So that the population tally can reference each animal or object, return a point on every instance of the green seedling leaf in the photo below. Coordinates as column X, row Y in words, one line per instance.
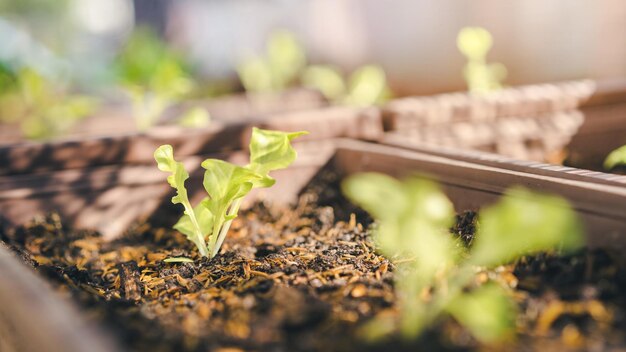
column 475, row 43
column 412, row 216
column 226, row 185
column 42, row 109
column 524, row 222
column 204, row 218
column 413, row 219
column 367, row 86
column 178, row 260
column 286, row 58
column 487, row 312
column 615, row 158
column 194, row 118
column 271, row 150
column 154, row 75
column 255, row 75
column 326, row 79
column 164, row 156
column 282, row 62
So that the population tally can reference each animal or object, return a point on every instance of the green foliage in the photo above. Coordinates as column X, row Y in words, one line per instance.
column 155, row 76
column 195, row 117
column 475, row 43
column 283, row 61
column 486, row 311
column 42, row 110
column 615, row 158
column 207, row 224
column 532, row 222
column 365, row 87
column 414, row 218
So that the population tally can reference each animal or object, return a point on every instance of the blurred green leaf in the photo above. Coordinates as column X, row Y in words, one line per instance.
column 414, row 216
column 413, row 220
column 367, row 86
column 154, row 75
column 42, row 109
column 525, row 222
column 326, row 79
column 286, row 58
column 195, row 117
column 475, row 43
column 486, row 311
column 277, row 68
column 615, row 158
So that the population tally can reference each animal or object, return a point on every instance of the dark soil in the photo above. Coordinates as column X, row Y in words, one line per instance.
column 303, row 279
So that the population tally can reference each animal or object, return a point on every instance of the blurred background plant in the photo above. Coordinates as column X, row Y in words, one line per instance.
column 481, row 77
column 41, row 108
column 156, row 77
column 366, row 86
column 436, row 273
column 616, row 158
column 344, row 48
column 275, row 70
column 284, row 65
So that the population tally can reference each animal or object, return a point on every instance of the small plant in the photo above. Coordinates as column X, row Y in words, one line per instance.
column 155, row 78
column 41, row 109
column 284, row 64
column 207, row 224
column 481, row 77
column 615, row 158
column 283, row 61
column 433, row 277
column 366, row 86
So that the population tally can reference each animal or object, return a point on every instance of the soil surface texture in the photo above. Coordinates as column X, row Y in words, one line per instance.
column 303, row 278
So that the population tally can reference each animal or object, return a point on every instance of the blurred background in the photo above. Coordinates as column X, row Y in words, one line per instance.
column 163, row 48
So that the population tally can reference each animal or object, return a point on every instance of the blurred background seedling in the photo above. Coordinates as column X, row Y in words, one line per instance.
column 615, row 158
column 366, row 86
column 433, row 277
column 284, row 64
column 42, row 109
column 277, row 69
column 156, row 77
column 481, row 77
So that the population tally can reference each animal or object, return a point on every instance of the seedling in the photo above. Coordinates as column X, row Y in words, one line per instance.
column 413, row 218
column 365, row 87
column 284, row 63
column 155, row 77
column 274, row 71
column 41, row 109
column 207, row 224
column 481, row 77
column 615, row 158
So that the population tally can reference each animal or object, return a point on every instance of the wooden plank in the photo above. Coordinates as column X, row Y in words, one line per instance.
column 137, row 148
column 602, row 206
column 34, row 318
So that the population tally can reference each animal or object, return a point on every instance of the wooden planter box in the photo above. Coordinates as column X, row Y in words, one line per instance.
column 117, row 119
column 581, row 121
column 127, row 192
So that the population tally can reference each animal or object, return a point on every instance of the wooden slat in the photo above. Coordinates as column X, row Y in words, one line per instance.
column 34, row 318
column 137, row 148
column 602, row 206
